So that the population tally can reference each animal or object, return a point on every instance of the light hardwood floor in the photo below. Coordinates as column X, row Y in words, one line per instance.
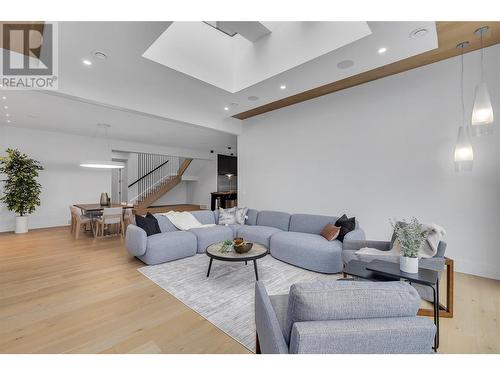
column 61, row 295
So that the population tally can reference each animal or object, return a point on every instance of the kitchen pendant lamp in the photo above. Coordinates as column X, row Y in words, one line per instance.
column 482, row 112
column 464, row 155
column 105, row 163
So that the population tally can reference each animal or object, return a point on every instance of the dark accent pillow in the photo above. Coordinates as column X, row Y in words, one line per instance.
column 150, row 226
column 346, row 225
column 149, row 215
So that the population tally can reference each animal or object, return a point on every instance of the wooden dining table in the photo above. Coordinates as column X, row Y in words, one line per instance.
column 93, row 210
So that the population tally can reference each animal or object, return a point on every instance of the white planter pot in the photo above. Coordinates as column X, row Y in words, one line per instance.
column 408, row 265
column 21, row 224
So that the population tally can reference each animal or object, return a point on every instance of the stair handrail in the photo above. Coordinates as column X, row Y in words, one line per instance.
column 153, row 186
column 147, row 174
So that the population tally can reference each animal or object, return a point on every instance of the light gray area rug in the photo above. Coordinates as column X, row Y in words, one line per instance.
column 226, row 298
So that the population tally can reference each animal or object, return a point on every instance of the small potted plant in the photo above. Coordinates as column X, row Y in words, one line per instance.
column 21, row 191
column 411, row 236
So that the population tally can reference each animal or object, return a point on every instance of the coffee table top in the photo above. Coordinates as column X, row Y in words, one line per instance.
column 257, row 251
column 379, row 270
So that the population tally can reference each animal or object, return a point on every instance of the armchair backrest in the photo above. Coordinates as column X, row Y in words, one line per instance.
column 346, row 300
column 441, row 249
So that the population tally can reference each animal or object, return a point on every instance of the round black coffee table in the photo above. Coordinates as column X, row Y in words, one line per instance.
column 257, row 251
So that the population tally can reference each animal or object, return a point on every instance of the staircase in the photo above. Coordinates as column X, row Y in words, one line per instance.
column 163, row 174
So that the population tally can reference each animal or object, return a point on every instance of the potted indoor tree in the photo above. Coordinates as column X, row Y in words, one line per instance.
column 21, row 190
column 411, row 236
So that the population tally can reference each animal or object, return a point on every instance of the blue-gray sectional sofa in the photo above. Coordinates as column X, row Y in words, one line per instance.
column 293, row 239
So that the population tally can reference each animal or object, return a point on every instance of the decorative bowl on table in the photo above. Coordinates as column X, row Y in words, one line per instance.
column 243, row 247
column 238, row 241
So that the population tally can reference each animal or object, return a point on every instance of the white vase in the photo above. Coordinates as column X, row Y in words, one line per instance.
column 408, row 265
column 21, row 224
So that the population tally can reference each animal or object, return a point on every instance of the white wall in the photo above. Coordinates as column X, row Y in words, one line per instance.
column 198, row 192
column 178, row 195
column 63, row 181
column 384, row 150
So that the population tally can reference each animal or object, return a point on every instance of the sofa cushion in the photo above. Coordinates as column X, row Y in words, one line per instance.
column 234, row 228
column 332, row 300
column 251, row 217
column 165, row 224
column 165, row 247
column 275, row 219
column 309, row 251
column 257, row 233
column 204, row 216
column 211, row 235
column 313, row 224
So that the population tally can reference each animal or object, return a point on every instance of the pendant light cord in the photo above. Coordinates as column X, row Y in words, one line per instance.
column 482, row 58
column 462, row 84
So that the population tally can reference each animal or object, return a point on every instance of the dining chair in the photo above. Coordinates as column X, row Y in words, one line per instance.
column 77, row 220
column 128, row 218
column 110, row 216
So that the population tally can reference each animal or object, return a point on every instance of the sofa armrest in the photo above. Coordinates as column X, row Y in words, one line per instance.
column 270, row 336
column 370, row 336
column 358, row 244
column 356, row 234
column 136, row 240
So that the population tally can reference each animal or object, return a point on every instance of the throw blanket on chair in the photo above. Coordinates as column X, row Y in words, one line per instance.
column 428, row 250
column 185, row 220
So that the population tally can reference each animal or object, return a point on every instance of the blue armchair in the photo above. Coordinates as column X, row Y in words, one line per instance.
column 342, row 317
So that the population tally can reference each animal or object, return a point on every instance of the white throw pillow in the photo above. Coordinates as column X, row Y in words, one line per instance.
column 241, row 215
column 185, row 220
column 227, row 216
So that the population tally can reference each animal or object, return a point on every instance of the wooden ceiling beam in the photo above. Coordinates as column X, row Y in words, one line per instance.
column 449, row 35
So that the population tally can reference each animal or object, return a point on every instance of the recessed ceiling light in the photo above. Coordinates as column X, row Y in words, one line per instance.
column 226, row 108
column 418, row 33
column 253, row 98
column 4, row 97
column 7, row 115
column 5, row 107
column 382, row 50
column 345, row 64
column 8, row 121
column 282, row 87
column 87, row 62
column 100, row 55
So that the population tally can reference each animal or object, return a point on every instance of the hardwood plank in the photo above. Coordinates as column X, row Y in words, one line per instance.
column 449, row 35
column 61, row 295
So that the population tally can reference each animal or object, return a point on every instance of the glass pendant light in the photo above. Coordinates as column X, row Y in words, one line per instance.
column 464, row 154
column 105, row 163
column 482, row 113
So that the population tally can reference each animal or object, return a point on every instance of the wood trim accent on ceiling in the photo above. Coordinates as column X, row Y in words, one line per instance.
column 449, row 35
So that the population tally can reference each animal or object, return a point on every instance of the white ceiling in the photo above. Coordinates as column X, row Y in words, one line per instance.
column 234, row 63
column 177, row 109
column 44, row 111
